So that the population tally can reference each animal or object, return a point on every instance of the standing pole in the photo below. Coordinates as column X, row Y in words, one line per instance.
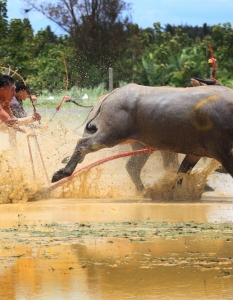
column 211, row 73
column 41, row 157
column 31, row 158
column 110, row 72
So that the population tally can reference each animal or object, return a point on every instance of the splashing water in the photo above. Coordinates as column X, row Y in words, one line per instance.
column 191, row 189
column 112, row 181
column 18, row 183
column 15, row 182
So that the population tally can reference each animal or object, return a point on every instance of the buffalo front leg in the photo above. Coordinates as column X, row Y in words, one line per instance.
column 83, row 147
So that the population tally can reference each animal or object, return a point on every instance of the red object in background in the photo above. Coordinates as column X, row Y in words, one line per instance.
column 33, row 97
column 102, row 96
column 66, row 97
column 213, row 62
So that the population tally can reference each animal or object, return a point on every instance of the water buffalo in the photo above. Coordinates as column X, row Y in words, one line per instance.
column 136, row 163
column 197, row 122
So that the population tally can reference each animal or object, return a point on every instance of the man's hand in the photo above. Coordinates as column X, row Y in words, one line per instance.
column 36, row 117
column 11, row 122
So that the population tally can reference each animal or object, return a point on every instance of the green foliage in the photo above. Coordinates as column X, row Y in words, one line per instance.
column 193, row 32
column 3, row 19
column 171, row 60
column 223, row 42
column 190, row 63
column 99, row 37
column 19, row 45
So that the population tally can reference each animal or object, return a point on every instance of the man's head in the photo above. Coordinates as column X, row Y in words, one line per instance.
column 7, row 88
column 22, row 90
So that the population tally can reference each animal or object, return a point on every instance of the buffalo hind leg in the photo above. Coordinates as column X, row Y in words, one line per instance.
column 226, row 159
column 135, row 164
column 186, row 166
column 170, row 160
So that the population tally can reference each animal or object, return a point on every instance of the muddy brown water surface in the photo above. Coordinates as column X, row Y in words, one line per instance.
column 116, row 249
column 96, row 237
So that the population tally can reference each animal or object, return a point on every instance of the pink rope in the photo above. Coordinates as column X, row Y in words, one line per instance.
column 99, row 162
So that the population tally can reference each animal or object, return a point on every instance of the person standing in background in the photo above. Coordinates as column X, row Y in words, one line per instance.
column 22, row 92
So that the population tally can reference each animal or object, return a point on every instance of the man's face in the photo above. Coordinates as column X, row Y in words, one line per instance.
column 22, row 95
column 7, row 92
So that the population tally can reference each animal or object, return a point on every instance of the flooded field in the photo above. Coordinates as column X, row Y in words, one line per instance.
column 96, row 237
column 118, row 249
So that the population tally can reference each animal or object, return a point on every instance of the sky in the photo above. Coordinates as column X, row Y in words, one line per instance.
column 146, row 12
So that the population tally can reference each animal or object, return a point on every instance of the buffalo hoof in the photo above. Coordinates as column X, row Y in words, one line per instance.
column 208, row 188
column 59, row 175
column 221, row 169
column 65, row 160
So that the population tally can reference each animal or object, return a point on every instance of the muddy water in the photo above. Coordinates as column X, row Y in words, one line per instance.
column 103, row 271
column 116, row 249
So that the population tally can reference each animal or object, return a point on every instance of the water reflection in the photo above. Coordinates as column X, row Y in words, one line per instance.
column 186, row 268
column 115, row 210
column 40, row 258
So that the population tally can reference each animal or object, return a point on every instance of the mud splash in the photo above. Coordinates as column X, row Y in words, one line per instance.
column 15, row 184
column 111, row 181
column 24, row 178
column 191, row 189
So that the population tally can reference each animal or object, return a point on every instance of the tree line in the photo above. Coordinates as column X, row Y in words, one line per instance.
column 100, row 34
